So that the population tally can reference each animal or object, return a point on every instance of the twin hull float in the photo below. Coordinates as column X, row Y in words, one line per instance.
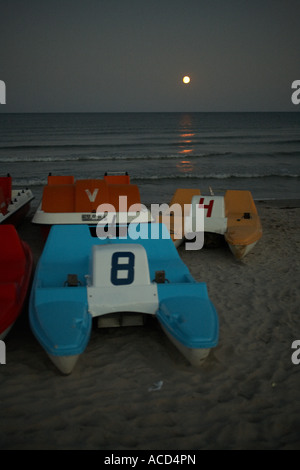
column 233, row 216
column 80, row 276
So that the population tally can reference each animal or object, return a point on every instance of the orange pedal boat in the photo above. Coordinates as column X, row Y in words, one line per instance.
column 110, row 200
column 233, row 215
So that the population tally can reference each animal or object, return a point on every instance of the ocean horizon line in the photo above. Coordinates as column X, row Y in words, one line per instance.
column 149, row 112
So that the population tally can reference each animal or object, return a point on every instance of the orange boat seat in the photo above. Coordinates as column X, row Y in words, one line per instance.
column 243, row 222
column 184, row 196
column 131, row 192
column 238, row 202
column 60, row 179
column 175, row 221
column 117, row 179
column 59, row 198
column 86, row 195
column 89, row 194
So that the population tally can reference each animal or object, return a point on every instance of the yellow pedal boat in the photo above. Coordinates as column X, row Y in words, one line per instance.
column 233, row 215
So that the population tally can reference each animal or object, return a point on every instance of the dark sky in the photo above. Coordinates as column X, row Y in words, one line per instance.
column 131, row 55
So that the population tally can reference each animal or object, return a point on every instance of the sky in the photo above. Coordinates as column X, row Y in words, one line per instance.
column 131, row 55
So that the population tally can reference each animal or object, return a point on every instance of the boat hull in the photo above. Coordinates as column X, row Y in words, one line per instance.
column 61, row 323
column 233, row 216
column 190, row 321
column 240, row 251
column 16, row 263
column 6, row 331
column 116, row 275
column 65, row 364
column 16, row 217
column 18, row 208
column 109, row 201
column 195, row 356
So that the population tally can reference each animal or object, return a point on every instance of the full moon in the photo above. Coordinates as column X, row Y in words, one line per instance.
column 186, row 79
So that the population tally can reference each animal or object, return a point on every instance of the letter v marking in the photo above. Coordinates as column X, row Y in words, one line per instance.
column 92, row 197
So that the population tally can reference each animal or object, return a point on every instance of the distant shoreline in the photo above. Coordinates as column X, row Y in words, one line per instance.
column 292, row 111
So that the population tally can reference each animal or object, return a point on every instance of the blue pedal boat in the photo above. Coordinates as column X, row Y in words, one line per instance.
column 81, row 276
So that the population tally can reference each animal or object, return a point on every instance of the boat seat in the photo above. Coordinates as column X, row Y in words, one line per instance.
column 238, row 203
column 58, row 198
column 117, row 179
column 184, row 196
column 182, row 199
column 60, row 179
column 131, row 192
column 243, row 222
column 89, row 194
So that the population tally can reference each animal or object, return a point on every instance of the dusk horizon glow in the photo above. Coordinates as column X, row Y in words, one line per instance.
column 100, row 56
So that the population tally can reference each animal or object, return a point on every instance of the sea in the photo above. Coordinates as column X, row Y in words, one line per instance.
column 161, row 152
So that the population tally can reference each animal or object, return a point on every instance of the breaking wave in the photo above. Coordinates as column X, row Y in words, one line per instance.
column 21, row 182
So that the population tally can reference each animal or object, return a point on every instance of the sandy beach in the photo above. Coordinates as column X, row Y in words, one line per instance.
column 132, row 389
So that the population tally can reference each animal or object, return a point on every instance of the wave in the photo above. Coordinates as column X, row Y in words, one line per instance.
column 192, row 155
column 138, row 141
column 141, row 142
column 137, row 158
column 23, row 182
column 70, row 158
column 220, row 176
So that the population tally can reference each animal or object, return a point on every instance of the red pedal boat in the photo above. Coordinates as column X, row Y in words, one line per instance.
column 16, row 261
column 14, row 203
